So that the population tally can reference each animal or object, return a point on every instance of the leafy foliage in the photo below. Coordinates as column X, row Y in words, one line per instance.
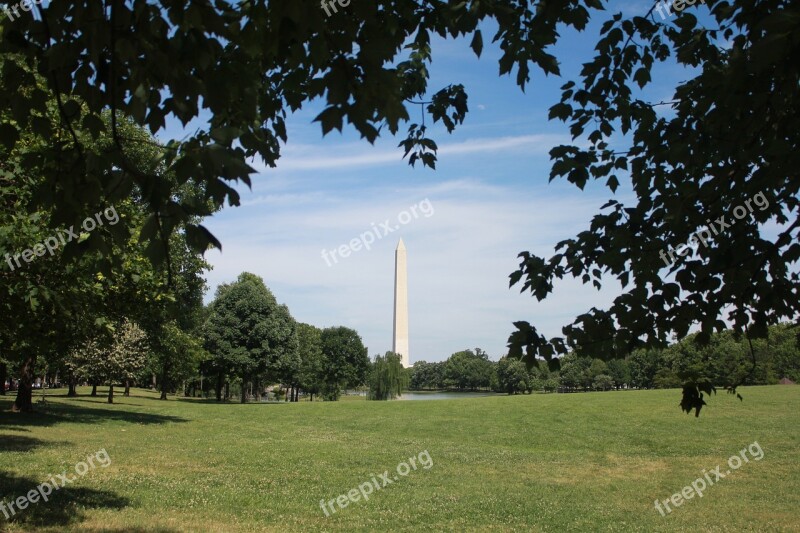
column 312, row 360
column 346, row 361
column 247, row 332
column 730, row 135
column 155, row 61
column 513, row 376
column 426, row 375
column 387, row 377
column 103, row 360
column 468, row 370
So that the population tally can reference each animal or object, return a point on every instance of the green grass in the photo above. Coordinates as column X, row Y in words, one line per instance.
column 568, row 462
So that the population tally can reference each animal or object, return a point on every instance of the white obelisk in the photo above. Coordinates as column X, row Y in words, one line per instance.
column 400, row 344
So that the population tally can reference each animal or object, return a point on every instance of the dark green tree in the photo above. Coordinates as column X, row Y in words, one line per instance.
column 311, row 376
column 513, row 376
column 426, row 375
column 574, row 371
column 644, row 364
column 247, row 332
column 346, row 361
column 469, row 370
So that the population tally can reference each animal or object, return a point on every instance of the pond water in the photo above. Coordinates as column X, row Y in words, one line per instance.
column 418, row 395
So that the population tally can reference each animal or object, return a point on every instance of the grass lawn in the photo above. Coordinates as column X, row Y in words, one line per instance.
column 566, row 462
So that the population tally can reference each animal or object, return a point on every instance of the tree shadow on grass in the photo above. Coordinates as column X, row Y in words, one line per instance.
column 65, row 506
column 57, row 413
column 19, row 443
column 101, row 400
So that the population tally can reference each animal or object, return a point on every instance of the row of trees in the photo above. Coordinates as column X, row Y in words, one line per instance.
column 245, row 340
column 725, row 360
column 464, row 370
column 253, row 340
column 122, row 304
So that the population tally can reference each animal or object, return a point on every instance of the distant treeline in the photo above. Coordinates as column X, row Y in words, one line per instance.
column 725, row 360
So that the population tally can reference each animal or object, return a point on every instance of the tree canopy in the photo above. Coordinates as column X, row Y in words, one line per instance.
column 248, row 333
column 714, row 167
column 160, row 61
column 346, row 360
column 387, row 377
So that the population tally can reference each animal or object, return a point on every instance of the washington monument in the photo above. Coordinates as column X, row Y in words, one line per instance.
column 400, row 342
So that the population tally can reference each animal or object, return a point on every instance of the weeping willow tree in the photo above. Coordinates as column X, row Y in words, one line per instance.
column 387, row 378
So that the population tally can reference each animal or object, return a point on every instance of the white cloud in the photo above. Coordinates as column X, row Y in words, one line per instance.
column 336, row 156
column 459, row 259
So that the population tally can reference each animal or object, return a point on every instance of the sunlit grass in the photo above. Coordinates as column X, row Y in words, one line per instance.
column 574, row 462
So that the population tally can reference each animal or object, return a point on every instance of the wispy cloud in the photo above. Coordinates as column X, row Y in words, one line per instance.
column 357, row 155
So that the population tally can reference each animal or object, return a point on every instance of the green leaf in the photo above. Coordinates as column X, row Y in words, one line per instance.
column 477, row 43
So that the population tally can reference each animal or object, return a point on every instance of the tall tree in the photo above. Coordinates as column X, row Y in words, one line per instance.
column 311, row 375
column 247, row 332
column 346, row 361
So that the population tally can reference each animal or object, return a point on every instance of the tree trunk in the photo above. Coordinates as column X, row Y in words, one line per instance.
column 94, row 389
column 219, row 387
column 71, row 383
column 127, row 388
column 227, row 390
column 3, row 375
column 24, row 401
column 164, row 374
column 111, row 393
column 244, row 389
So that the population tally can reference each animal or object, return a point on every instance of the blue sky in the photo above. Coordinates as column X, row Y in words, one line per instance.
column 490, row 200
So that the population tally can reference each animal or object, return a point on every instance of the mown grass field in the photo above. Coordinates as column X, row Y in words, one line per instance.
column 577, row 462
